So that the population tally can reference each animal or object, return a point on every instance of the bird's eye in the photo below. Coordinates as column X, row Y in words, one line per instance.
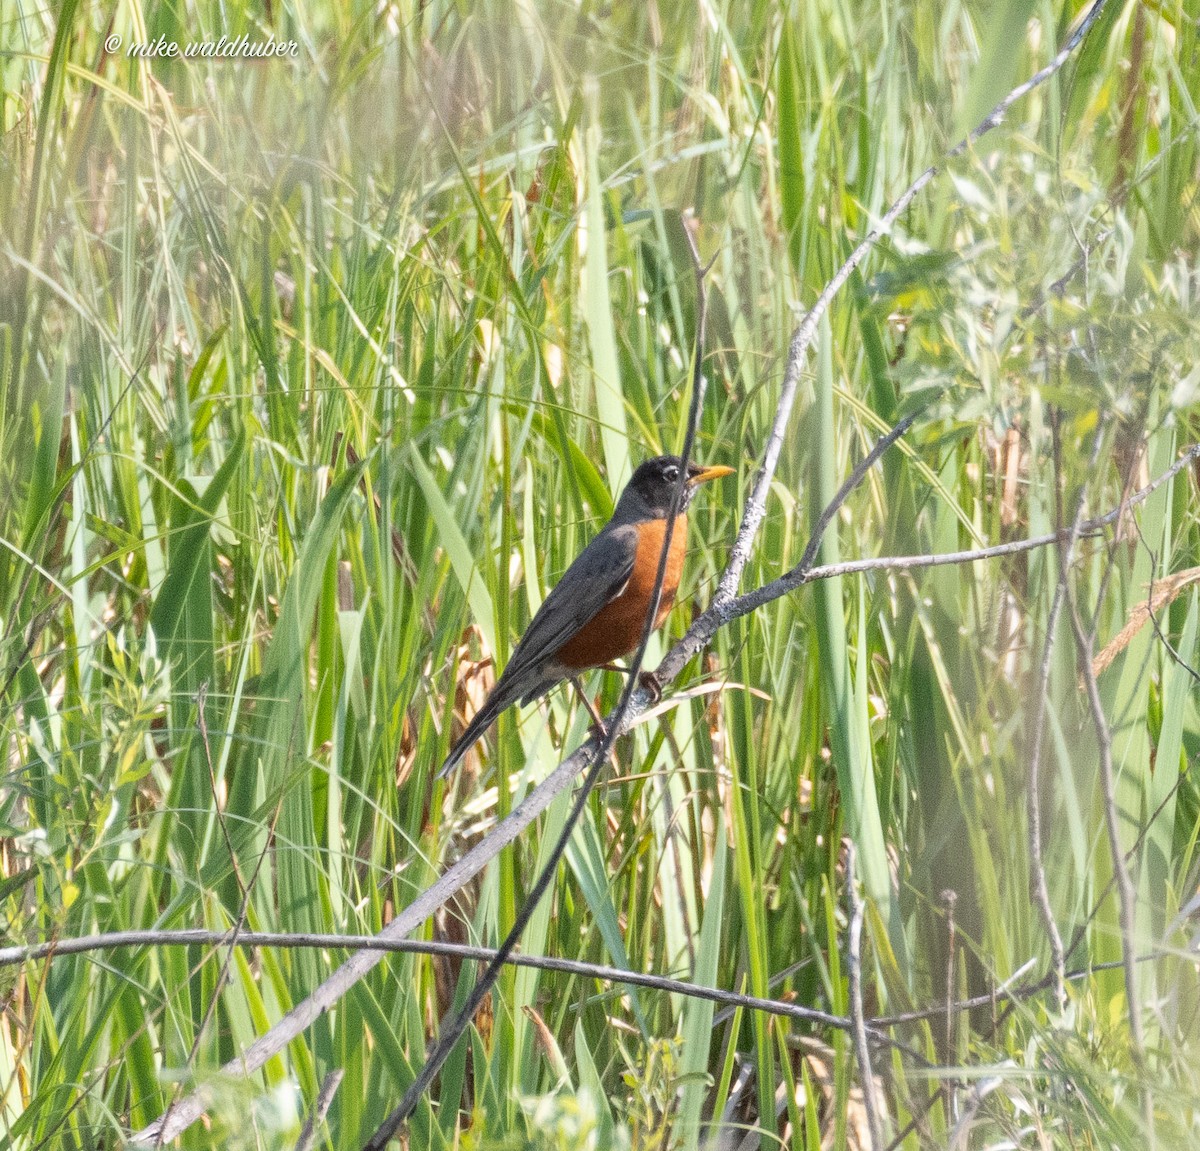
column 670, row 473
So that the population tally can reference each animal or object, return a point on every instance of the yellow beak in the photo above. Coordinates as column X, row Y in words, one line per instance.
column 713, row 473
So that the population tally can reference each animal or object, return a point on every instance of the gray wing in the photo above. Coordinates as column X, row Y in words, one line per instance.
column 598, row 575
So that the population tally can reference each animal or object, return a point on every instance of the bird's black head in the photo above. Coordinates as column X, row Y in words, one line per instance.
column 651, row 488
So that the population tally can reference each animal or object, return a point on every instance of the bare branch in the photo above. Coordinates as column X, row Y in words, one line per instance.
column 329, row 1086
column 202, row 937
column 858, row 1030
column 798, row 577
column 876, row 1025
column 1040, row 891
column 1126, row 899
column 806, row 332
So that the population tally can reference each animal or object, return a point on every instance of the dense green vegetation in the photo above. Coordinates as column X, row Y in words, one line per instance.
column 452, row 238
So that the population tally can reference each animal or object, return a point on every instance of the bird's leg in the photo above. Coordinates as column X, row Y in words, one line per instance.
column 597, row 722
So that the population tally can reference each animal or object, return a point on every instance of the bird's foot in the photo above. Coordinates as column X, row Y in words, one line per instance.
column 648, row 682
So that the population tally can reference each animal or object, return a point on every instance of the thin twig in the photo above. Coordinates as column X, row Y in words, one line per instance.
column 1165, row 597
column 858, row 1030
column 950, row 901
column 293, row 941
column 192, row 937
column 798, row 577
column 1040, row 889
column 312, row 1124
column 1126, row 899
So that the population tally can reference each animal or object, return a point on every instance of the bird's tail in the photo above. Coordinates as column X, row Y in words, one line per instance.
column 480, row 721
column 504, row 694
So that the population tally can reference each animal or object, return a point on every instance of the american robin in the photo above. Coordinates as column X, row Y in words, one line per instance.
column 597, row 611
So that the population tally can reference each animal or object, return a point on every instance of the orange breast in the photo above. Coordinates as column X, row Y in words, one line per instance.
column 617, row 628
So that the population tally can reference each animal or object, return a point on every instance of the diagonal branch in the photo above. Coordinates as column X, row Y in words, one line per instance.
column 806, row 332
